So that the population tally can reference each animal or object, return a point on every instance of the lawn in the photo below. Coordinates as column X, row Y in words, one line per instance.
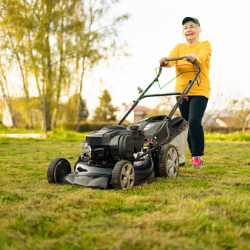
column 205, row 208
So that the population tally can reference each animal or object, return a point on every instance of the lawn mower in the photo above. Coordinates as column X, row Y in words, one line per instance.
column 121, row 157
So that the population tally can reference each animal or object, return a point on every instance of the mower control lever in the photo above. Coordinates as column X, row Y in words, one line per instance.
column 140, row 90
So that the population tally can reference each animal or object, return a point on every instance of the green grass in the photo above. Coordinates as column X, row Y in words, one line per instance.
column 238, row 136
column 66, row 135
column 205, row 208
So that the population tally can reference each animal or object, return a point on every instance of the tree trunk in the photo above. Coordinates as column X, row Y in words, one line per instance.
column 25, row 86
column 34, row 61
column 49, row 87
column 49, row 84
column 6, row 97
column 59, row 84
column 78, row 114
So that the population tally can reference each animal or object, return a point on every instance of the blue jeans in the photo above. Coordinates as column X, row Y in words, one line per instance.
column 193, row 111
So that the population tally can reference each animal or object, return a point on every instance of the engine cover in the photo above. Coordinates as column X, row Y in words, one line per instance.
column 120, row 143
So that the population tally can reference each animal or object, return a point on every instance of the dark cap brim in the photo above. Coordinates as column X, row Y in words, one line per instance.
column 195, row 20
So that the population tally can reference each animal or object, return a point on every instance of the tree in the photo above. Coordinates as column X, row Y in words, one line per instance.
column 52, row 43
column 98, row 40
column 240, row 112
column 6, row 94
column 105, row 111
column 80, row 32
column 218, row 106
column 72, row 111
column 164, row 106
column 13, row 43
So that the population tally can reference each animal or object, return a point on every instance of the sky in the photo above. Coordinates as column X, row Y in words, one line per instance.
column 152, row 31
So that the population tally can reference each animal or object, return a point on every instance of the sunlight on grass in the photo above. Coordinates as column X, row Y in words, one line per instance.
column 204, row 208
column 227, row 137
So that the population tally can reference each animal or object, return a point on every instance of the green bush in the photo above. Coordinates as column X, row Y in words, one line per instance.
column 86, row 126
column 230, row 129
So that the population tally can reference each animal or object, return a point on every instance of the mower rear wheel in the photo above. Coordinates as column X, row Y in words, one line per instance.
column 123, row 175
column 58, row 168
column 168, row 161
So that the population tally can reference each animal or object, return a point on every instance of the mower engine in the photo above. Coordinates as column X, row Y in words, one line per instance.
column 113, row 143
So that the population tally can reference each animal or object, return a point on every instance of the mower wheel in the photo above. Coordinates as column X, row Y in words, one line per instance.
column 123, row 175
column 168, row 161
column 58, row 168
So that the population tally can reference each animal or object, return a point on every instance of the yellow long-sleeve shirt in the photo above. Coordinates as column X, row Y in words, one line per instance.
column 203, row 52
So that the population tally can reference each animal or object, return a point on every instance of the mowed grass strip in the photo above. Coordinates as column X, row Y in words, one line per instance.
column 205, row 208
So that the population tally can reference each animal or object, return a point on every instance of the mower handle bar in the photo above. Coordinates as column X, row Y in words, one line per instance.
column 176, row 59
column 181, row 58
column 155, row 80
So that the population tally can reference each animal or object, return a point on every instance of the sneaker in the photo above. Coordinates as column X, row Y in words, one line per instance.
column 196, row 161
column 192, row 159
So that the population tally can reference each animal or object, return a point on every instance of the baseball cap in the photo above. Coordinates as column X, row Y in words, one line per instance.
column 195, row 20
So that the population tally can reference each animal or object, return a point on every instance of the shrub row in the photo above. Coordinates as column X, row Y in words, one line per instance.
column 231, row 129
column 86, row 126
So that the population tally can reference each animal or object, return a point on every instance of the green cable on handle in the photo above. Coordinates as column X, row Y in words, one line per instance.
column 166, row 83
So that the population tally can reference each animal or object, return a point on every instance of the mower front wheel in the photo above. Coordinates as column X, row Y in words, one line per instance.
column 168, row 161
column 58, row 168
column 123, row 175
